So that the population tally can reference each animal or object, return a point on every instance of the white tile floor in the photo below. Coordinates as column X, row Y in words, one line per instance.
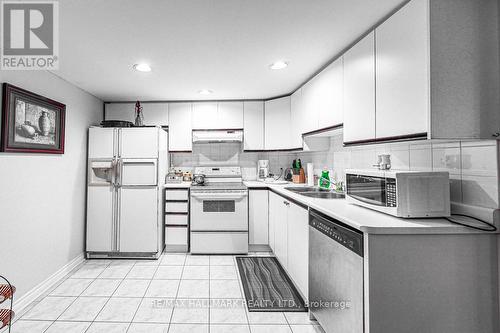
column 175, row 294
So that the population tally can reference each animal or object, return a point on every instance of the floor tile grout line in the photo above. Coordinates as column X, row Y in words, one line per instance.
column 66, row 309
column 176, row 296
column 142, row 299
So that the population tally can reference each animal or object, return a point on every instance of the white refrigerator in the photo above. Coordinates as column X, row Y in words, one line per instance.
column 126, row 173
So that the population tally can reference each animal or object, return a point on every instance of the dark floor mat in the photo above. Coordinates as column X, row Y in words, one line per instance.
column 267, row 287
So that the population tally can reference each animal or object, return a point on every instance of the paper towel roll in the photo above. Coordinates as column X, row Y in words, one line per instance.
column 310, row 174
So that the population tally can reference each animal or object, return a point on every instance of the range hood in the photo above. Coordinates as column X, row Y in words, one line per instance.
column 212, row 136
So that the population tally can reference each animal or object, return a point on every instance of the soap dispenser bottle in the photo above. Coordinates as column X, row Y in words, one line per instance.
column 324, row 180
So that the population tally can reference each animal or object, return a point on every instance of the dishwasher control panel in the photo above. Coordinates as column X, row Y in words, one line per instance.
column 351, row 239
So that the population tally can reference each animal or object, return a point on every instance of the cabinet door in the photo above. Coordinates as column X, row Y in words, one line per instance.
column 253, row 125
column 275, row 204
column 230, row 115
column 359, row 91
column 258, row 217
column 402, row 72
column 138, row 219
column 119, row 111
column 179, row 130
column 296, row 111
column 281, row 230
column 277, row 123
column 100, row 214
column 330, row 95
column 310, row 105
column 205, row 115
column 102, row 142
column 138, row 142
column 298, row 251
column 155, row 114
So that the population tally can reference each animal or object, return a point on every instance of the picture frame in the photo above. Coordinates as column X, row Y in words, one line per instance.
column 31, row 123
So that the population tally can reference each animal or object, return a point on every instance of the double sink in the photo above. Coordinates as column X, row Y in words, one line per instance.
column 316, row 192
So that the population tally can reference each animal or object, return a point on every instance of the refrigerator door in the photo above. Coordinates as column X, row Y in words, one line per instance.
column 138, row 142
column 138, row 219
column 102, row 143
column 100, row 217
column 140, row 172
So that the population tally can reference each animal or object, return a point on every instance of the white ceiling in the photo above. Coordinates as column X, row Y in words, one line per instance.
column 222, row 45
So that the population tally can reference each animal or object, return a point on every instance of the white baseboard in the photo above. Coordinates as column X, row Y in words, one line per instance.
column 21, row 303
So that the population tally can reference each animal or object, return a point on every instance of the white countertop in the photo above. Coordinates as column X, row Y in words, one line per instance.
column 367, row 220
column 177, row 185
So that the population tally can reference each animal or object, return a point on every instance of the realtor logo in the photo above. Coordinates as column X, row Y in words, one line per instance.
column 30, row 35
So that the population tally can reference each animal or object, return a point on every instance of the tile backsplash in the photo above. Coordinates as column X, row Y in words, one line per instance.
column 473, row 165
column 221, row 154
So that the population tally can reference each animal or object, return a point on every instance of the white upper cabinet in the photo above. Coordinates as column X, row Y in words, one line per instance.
column 310, row 105
column 205, row 115
column 253, row 125
column 330, row 87
column 297, row 118
column 217, row 115
column 230, row 115
column 359, row 91
column 119, row 111
column 179, row 130
column 277, row 123
column 402, row 64
column 155, row 114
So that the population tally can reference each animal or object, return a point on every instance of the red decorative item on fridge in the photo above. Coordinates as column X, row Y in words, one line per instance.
column 139, row 117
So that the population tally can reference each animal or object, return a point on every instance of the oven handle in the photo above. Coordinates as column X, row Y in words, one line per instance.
column 228, row 195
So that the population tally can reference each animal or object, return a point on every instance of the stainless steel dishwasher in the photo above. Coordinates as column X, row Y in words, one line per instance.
column 335, row 274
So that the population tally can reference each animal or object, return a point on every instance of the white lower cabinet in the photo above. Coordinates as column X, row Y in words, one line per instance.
column 298, row 247
column 289, row 239
column 258, row 219
column 176, row 219
column 176, row 236
column 280, row 236
column 276, row 213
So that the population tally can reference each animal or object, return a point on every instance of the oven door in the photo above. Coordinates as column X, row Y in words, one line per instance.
column 367, row 189
column 219, row 211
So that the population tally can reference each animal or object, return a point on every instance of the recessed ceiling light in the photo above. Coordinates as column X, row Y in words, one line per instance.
column 278, row 64
column 142, row 67
column 205, row 92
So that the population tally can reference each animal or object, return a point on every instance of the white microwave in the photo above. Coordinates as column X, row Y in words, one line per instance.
column 408, row 194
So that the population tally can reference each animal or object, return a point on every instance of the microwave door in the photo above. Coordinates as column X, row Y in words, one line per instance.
column 138, row 172
column 367, row 189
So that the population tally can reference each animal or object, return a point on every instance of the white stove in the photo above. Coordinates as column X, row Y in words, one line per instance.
column 219, row 212
column 219, row 178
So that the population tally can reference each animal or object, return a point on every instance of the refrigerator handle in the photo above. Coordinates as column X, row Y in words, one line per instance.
column 119, row 169
column 113, row 172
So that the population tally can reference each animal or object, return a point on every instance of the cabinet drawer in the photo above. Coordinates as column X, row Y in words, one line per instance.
column 176, row 207
column 176, row 195
column 176, row 235
column 176, row 220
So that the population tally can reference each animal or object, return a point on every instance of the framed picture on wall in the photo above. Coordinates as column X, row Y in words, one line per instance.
column 31, row 123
